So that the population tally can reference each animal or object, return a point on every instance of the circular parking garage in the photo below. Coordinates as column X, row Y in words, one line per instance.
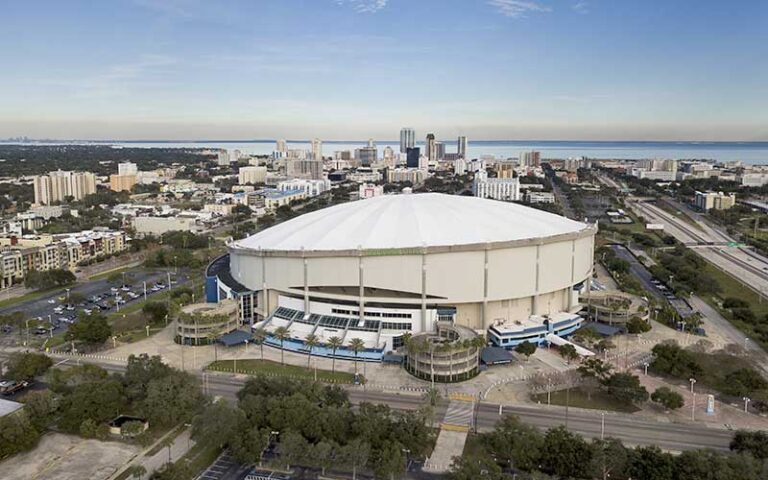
column 450, row 354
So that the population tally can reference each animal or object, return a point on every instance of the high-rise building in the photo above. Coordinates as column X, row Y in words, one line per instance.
column 223, row 158
column 530, row 159
column 431, row 153
column 439, row 150
column 407, row 139
column 459, row 166
column 118, row 183
column 389, row 156
column 371, row 143
column 127, row 168
column 412, row 160
column 57, row 186
column 366, row 155
column 461, row 146
column 317, row 149
column 252, row 175
column 281, row 146
column 302, row 168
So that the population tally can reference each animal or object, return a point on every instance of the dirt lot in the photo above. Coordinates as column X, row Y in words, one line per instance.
column 66, row 457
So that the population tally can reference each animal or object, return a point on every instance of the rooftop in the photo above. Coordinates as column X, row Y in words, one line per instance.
column 410, row 221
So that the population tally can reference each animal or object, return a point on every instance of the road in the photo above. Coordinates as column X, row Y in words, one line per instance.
column 630, row 429
column 645, row 277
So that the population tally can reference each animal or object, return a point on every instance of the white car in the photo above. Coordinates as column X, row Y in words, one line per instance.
column 58, row 310
column 52, row 301
column 114, row 289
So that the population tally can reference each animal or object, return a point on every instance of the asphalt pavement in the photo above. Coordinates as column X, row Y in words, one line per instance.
column 43, row 306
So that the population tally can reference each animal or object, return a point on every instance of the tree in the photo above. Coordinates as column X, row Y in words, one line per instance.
column 566, row 454
column 650, row 463
column 137, row 471
column 40, row 407
column 90, row 329
column 140, row 371
column 310, row 342
column 132, row 428
column 389, row 461
column 17, row 434
column 44, row 280
column 610, row 459
column 515, row 443
column 743, row 381
column 172, row 399
column 669, row 399
column 526, row 348
column 249, row 443
column 156, row 311
column 626, row 387
column 334, row 343
column 27, row 366
column 593, row 367
column 755, row 443
column 473, row 468
column 96, row 401
column 672, row 360
column 355, row 454
column 282, row 334
column 356, row 345
column 292, row 448
column 259, row 337
column 569, row 352
column 216, row 423
column 637, row 325
column 323, row 455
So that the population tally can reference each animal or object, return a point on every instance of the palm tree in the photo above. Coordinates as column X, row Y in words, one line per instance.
column 356, row 345
column 259, row 337
column 311, row 341
column 138, row 471
column 282, row 334
column 334, row 343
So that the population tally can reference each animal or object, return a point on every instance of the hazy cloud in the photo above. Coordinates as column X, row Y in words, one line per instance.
column 580, row 7
column 518, row 8
column 364, row 6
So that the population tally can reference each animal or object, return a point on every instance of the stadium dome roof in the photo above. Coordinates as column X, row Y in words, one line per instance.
column 410, row 221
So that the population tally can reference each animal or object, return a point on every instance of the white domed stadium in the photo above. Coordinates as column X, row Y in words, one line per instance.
column 375, row 269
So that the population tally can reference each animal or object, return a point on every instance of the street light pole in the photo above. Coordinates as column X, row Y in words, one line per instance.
column 693, row 400
column 746, row 404
column 602, row 425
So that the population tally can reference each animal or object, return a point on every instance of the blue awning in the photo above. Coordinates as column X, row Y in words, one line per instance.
column 495, row 356
column 236, row 337
column 603, row 329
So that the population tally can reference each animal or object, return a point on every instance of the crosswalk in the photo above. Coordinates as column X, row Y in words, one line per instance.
column 458, row 416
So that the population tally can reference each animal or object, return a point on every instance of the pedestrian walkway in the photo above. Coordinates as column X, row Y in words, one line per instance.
column 159, row 455
column 453, row 433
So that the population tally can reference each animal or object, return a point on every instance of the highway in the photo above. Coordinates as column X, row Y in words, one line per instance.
column 630, row 429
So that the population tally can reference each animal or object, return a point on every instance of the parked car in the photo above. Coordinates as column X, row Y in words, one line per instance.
column 52, row 301
column 6, row 329
column 9, row 387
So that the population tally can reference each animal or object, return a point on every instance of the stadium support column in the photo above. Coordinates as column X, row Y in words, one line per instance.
column 535, row 303
column 569, row 300
column 306, row 284
column 264, row 286
column 424, row 289
column 484, row 315
column 361, row 281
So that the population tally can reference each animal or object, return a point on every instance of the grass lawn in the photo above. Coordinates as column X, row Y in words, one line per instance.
column 599, row 400
column 473, row 447
column 677, row 213
column 200, row 456
column 267, row 367
column 29, row 296
column 109, row 273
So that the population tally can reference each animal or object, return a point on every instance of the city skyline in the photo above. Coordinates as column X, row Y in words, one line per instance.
column 496, row 69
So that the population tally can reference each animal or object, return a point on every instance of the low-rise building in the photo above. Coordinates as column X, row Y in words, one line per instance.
column 367, row 190
column 273, row 199
column 496, row 188
column 155, row 225
column 311, row 188
column 413, row 175
column 532, row 196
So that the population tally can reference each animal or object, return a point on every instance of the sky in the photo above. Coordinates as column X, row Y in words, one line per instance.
column 354, row 69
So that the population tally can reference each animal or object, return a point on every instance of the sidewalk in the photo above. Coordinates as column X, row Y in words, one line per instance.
column 181, row 445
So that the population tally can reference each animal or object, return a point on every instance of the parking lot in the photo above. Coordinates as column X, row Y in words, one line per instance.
column 56, row 310
column 224, row 468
